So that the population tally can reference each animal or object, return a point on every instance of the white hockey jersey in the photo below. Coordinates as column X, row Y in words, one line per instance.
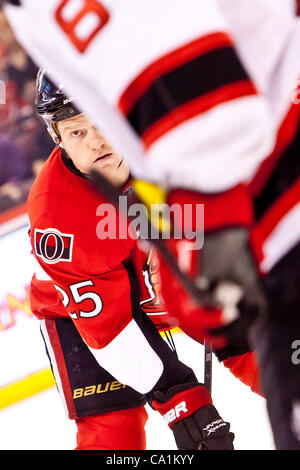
column 162, row 81
column 268, row 42
column 267, row 39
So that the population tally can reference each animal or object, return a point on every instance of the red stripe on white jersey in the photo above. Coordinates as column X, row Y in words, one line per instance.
column 279, row 230
column 168, row 63
column 195, row 107
column 285, row 136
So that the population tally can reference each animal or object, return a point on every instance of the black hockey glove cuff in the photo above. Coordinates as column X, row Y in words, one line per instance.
column 238, row 332
column 195, row 422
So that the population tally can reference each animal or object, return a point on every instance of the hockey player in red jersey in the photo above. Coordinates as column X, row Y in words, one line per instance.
column 134, row 91
column 201, row 141
column 98, row 283
column 143, row 86
column 59, row 333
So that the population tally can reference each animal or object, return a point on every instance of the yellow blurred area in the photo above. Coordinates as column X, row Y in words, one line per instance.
column 26, row 387
column 32, row 384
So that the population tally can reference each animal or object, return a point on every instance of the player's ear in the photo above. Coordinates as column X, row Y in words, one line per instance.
column 54, row 136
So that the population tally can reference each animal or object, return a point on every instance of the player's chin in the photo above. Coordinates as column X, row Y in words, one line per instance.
column 106, row 170
column 104, row 166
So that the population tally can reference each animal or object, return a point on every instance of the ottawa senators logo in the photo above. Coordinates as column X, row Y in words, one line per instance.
column 53, row 246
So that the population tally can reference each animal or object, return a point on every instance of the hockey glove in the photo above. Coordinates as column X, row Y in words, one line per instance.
column 231, row 296
column 195, row 422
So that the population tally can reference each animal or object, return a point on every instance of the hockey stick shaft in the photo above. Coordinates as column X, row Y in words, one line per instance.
column 113, row 194
column 208, row 357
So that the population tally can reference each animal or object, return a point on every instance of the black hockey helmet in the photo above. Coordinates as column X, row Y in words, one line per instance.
column 51, row 102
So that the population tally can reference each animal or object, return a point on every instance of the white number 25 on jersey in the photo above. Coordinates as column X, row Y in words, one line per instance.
column 80, row 297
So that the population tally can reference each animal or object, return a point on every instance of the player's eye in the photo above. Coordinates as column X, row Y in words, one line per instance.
column 76, row 133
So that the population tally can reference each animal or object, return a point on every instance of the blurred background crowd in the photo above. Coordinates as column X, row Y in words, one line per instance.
column 24, row 141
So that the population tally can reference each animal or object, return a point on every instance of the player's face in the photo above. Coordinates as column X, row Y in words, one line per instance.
column 89, row 150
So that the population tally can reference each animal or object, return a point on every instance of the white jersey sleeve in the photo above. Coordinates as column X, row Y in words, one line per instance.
column 162, row 81
column 267, row 38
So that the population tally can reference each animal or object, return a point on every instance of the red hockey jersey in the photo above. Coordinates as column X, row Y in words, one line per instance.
column 89, row 273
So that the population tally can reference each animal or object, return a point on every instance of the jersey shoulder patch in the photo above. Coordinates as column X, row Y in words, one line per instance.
column 53, row 246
